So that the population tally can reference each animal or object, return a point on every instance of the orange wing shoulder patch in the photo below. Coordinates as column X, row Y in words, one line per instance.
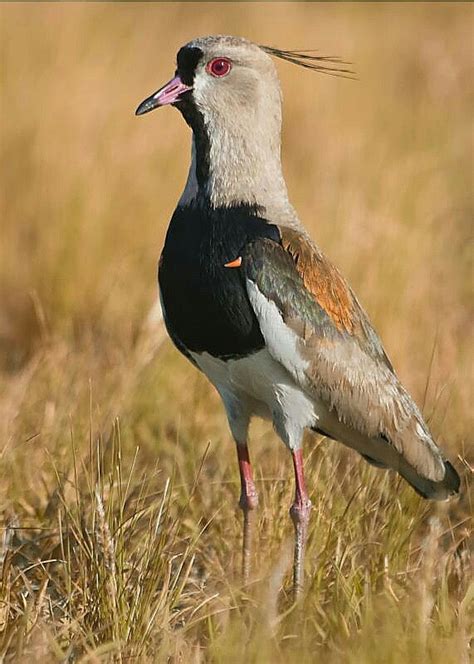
column 321, row 279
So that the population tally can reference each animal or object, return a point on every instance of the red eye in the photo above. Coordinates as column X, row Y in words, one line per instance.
column 219, row 67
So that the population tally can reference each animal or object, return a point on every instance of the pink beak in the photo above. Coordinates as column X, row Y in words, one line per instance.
column 168, row 94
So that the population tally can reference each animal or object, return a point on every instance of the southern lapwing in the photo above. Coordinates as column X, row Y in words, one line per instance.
column 251, row 300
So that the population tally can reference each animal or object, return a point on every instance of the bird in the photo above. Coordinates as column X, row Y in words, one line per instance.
column 251, row 300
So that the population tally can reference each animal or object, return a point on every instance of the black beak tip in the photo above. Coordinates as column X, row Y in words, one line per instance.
column 146, row 106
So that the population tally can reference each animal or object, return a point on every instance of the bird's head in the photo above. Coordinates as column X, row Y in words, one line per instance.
column 220, row 79
column 217, row 74
column 227, row 90
column 224, row 73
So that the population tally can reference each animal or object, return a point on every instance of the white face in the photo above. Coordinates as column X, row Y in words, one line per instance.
column 234, row 80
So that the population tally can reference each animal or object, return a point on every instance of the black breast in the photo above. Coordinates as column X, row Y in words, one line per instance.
column 206, row 304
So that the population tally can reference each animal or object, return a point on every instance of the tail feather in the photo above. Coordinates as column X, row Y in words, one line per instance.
column 430, row 489
column 380, row 452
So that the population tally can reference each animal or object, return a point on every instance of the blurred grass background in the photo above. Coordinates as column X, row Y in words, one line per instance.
column 118, row 486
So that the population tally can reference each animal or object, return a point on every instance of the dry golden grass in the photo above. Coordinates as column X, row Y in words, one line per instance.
column 118, row 486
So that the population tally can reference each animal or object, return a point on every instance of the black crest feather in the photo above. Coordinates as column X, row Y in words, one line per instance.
column 327, row 64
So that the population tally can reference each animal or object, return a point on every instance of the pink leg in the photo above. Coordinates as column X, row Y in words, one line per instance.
column 299, row 512
column 248, row 502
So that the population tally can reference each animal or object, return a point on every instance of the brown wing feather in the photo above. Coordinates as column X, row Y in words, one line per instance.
column 321, row 279
column 324, row 281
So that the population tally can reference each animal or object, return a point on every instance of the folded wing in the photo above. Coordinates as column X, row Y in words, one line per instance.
column 336, row 356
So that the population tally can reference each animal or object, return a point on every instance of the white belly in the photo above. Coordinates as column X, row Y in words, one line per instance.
column 262, row 387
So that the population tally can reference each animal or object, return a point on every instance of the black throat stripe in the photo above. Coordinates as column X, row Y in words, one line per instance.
column 187, row 60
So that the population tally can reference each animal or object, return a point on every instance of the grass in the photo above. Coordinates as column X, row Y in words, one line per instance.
column 118, row 484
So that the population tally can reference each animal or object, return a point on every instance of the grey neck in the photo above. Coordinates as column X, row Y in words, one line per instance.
column 230, row 166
